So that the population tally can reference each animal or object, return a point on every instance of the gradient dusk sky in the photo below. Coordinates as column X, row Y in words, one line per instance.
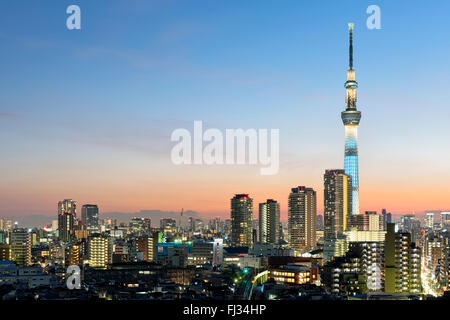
column 87, row 114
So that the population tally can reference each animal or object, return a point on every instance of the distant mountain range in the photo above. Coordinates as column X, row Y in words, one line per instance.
column 155, row 215
column 39, row 220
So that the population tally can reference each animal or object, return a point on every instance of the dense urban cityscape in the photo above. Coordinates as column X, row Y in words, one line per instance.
column 239, row 258
column 340, row 254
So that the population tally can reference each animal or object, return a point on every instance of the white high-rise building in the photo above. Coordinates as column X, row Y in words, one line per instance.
column 98, row 250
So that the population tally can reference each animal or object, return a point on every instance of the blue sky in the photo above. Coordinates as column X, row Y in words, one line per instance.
column 99, row 104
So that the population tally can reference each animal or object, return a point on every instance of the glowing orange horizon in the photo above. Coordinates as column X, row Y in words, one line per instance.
column 208, row 191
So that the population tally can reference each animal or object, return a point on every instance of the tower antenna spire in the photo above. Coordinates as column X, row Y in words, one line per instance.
column 350, row 28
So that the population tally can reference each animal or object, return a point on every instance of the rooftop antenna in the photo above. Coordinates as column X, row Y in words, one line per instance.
column 350, row 28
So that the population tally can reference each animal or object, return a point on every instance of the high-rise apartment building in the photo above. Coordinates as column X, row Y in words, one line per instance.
column 66, row 219
column 269, row 222
column 402, row 262
column 337, row 202
column 21, row 247
column 73, row 254
column 98, row 251
column 89, row 217
column 147, row 245
column 370, row 221
column 444, row 271
column 371, row 255
column 302, row 214
column 241, row 220
column 433, row 247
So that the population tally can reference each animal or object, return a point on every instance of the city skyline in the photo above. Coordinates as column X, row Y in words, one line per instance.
column 207, row 157
column 52, row 132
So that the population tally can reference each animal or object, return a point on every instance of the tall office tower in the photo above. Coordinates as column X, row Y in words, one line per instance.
column 195, row 224
column 214, row 224
column 302, row 214
column 198, row 225
column 66, row 219
column 21, row 247
column 2, row 224
column 387, row 217
column 136, row 226
column 241, row 221
column 337, row 202
column 269, row 222
column 402, row 262
column 408, row 222
column 98, row 251
column 89, row 217
column 351, row 117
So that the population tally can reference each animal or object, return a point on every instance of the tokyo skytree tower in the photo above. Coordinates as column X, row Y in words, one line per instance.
column 351, row 118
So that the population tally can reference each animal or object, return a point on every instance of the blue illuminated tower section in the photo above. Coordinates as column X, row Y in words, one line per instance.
column 351, row 118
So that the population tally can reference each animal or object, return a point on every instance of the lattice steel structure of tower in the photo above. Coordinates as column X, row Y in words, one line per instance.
column 351, row 117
